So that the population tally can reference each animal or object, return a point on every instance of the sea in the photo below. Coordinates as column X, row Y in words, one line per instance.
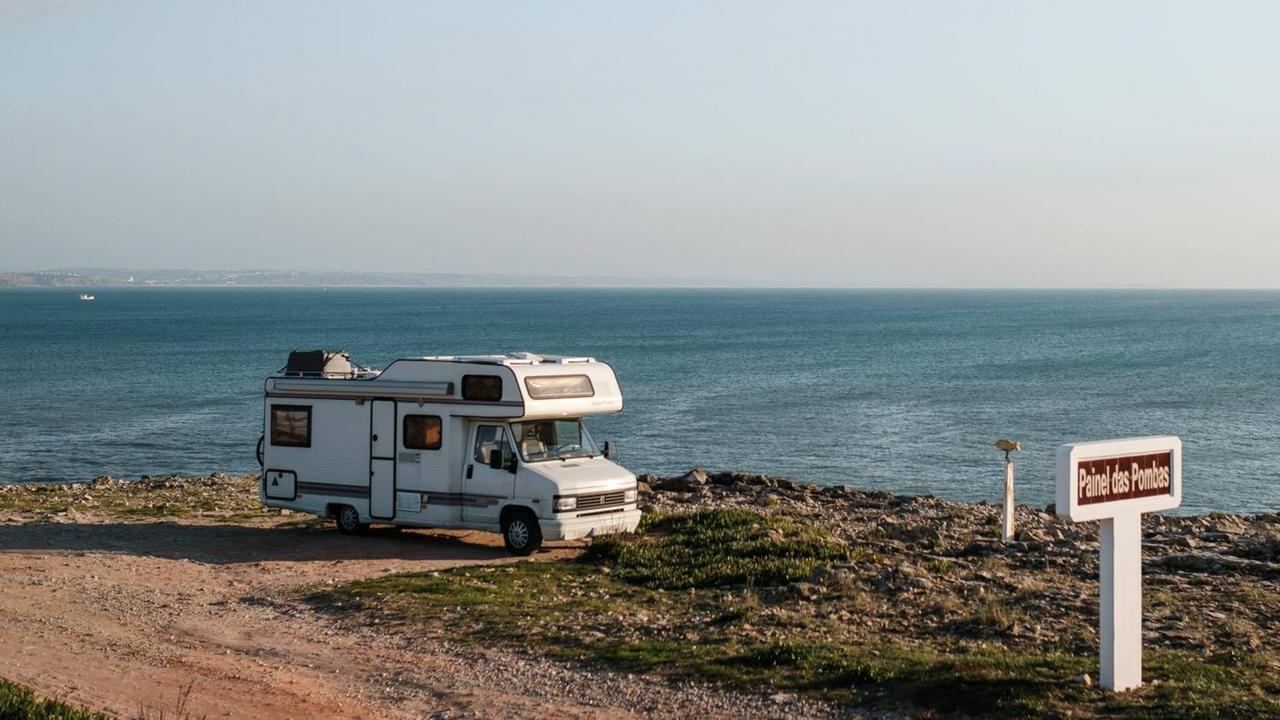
column 899, row 390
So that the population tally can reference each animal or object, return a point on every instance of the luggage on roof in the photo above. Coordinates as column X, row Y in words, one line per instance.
column 318, row 363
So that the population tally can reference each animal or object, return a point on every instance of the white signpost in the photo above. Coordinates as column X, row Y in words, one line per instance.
column 1115, row 481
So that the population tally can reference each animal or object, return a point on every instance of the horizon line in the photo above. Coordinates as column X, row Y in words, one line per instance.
column 549, row 281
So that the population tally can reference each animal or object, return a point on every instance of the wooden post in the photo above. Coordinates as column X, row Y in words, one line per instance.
column 1008, row 499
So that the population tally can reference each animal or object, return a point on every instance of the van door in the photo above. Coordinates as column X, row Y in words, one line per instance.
column 382, row 461
column 484, row 488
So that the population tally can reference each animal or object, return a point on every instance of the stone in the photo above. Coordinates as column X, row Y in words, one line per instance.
column 695, row 478
column 919, row 583
column 805, row 590
column 692, row 480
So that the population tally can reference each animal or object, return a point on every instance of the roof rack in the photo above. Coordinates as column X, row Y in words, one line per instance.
column 511, row 358
column 324, row 364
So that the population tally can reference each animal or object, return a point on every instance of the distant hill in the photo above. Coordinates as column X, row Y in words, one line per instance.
column 110, row 277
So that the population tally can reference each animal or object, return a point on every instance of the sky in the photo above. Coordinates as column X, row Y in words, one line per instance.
column 869, row 144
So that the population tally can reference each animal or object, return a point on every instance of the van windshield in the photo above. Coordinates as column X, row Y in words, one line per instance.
column 539, row 440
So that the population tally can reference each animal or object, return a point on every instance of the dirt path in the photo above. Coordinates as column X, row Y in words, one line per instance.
column 122, row 616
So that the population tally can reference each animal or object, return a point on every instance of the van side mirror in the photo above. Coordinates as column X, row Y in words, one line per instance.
column 607, row 450
column 495, row 461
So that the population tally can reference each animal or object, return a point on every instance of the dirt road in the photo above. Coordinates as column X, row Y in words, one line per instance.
column 122, row 616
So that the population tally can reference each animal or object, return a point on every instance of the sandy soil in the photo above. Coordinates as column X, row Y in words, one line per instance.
column 123, row 616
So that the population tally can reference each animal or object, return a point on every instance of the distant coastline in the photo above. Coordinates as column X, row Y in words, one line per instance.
column 114, row 277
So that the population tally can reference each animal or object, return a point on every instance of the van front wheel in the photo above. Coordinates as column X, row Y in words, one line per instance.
column 521, row 532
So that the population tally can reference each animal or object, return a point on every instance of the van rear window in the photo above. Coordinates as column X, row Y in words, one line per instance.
column 551, row 387
column 482, row 387
column 291, row 425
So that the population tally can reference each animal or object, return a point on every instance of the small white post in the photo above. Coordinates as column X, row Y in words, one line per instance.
column 1008, row 499
column 1120, row 591
column 1008, row 446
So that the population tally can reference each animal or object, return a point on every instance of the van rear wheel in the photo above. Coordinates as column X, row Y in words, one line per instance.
column 347, row 519
column 521, row 532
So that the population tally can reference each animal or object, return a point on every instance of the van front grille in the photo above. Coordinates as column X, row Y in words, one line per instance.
column 601, row 500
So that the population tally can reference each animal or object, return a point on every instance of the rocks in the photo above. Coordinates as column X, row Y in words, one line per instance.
column 805, row 591
column 1031, row 535
column 923, row 567
column 919, row 583
column 1209, row 562
column 136, row 500
column 697, row 478
column 693, row 480
column 1228, row 524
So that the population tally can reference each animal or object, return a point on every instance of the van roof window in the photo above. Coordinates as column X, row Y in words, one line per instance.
column 482, row 387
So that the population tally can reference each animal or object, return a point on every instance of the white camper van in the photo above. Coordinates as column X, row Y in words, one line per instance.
column 489, row 442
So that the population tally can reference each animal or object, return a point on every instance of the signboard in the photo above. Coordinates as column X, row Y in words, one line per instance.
column 1098, row 480
column 1115, row 481
column 1124, row 478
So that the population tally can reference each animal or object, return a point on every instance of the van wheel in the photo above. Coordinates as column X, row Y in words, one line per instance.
column 521, row 532
column 347, row 519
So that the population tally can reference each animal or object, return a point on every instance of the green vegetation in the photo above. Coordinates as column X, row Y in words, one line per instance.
column 716, row 548
column 19, row 703
column 726, row 595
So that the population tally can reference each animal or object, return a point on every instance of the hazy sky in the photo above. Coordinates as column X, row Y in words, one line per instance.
column 795, row 143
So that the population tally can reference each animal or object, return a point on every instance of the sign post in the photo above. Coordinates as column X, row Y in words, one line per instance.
column 1115, row 481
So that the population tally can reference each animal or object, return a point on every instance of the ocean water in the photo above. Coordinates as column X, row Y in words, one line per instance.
column 897, row 390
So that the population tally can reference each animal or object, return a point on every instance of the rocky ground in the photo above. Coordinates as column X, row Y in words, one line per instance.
column 1211, row 582
column 117, row 593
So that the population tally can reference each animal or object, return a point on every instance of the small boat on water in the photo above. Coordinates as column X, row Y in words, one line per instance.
column 87, row 296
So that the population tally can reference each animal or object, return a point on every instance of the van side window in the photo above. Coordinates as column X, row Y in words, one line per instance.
column 482, row 387
column 291, row 425
column 491, row 437
column 422, row 432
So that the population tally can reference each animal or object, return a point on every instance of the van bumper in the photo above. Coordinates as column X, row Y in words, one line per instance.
column 571, row 528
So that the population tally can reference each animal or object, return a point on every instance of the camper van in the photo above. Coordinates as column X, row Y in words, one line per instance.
column 487, row 442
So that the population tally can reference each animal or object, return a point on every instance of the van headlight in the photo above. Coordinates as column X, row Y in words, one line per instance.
column 565, row 503
column 629, row 496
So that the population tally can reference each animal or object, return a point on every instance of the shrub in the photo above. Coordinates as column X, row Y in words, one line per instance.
column 20, row 703
column 717, row 548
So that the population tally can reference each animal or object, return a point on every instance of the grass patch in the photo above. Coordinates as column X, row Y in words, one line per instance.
column 574, row 611
column 1192, row 686
column 18, row 702
column 717, row 548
